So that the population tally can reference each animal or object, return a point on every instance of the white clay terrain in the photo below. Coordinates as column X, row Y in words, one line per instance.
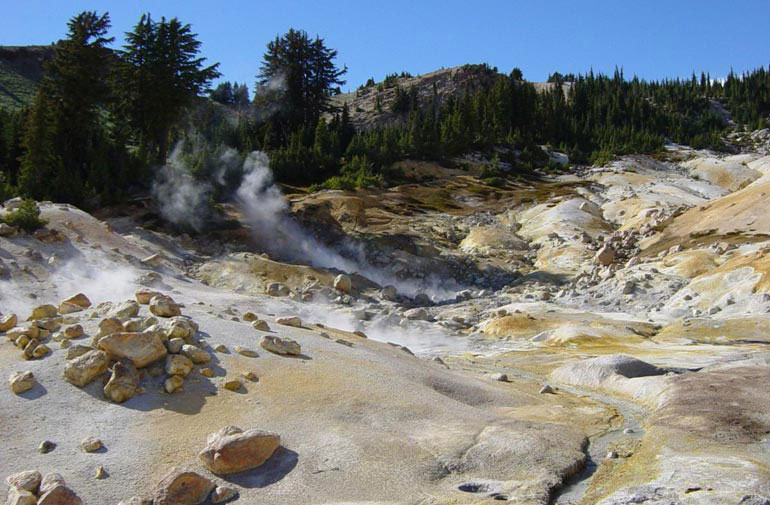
column 657, row 360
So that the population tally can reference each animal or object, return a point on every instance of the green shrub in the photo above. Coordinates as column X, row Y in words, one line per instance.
column 26, row 216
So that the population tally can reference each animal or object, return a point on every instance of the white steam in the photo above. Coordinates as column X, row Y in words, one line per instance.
column 182, row 200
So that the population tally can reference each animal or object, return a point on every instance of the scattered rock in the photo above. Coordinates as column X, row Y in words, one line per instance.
column 501, row 377
column 197, row 355
column 222, row 494
column 182, row 487
column 21, row 381
column 246, row 352
column 546, row 389
column 233, row 385
column 144, row 295
column 180, row 327
column 260, row 325
column 250, row 316
column 389, row 293
column 50, row 481
column 100, row 473
column 46, row 446
column 77, row 350
column 418, row 314
column 90, row 444
column 280, row 345
column 250, row 376
column 74, row 303
column 85, row 368
column 605, row 256
column 232, row 450
column 207, row 372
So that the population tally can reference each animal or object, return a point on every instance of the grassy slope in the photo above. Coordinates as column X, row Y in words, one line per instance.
column 21, row 68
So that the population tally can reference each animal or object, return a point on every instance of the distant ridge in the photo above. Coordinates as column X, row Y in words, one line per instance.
column 21, row 69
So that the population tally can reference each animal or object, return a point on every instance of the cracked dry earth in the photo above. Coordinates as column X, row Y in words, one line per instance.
column 596, row 338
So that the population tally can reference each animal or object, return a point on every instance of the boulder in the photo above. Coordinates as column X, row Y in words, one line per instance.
column 7, row 230
column 290, row 321
column 125, row 310
column 77, row 351
column 90, row 444
column 605, row 256
column 123, row 382
column 180, row 327
column 73, row 331
column 21, row 381
column 248, row 317
column 232, row 450
column 164, row 306
column 389, row 293
column 28, row 480
column 182, row 487
column 174, row 345
column 133, row 325
column 422, row 299
column 173, row 383
column 107, row 327
column 141, row 348
column 343, row 283
column 196, row 354
column 60, row 495
column 260, row 325
column 83, row 369
column 280, row 345
column 233, row 385
column 50, row 481
column 42, row 312
column 74, row 303
column 277, row 289
column 18, row 496
column 7, row 322
column 419, row 314
column 144, row 295
column 177, row 364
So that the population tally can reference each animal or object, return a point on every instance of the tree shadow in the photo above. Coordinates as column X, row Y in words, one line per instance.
column 280, row 464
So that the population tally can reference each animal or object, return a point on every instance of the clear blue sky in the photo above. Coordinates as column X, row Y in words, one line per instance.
column 652, row 39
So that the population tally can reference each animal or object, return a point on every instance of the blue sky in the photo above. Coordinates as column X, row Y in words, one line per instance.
column 652, row 39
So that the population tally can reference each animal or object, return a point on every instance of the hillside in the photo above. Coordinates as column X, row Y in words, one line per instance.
column 21, row 68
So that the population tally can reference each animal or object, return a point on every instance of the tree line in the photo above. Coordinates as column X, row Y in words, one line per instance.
column 103, row 119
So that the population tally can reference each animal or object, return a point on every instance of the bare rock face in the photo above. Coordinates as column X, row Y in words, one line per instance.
column 28, row 480
column 232, row 450
column 605, row 256
column 182, row 487
column 164, row 306
column 21, row 381
column 343, row 283
column 83, row 369
column 123, row 382
column 280, row 345
column 141, row 348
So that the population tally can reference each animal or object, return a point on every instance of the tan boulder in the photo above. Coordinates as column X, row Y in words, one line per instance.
column 173, row 383
column 18, row 496
column 21, row 382
column 177, row 364
column 125, row 310
column 250, row 316
column 606, row 255
column 180, row 327
column 83, row 369
column 107, row 327
column 28, row 480
column 60, row 495
column 260, row 325
column 50, row 481
column 164, row 306
column 182, row 487
column 42, row 311
column 144, row 295
column 233, row 385
column 232, row 450
column 343, row 283
column 7, row 322
column 73, row 331
column 74, row 303
column 90, row 444
column 141, row 348
column 77, row 351
column 196, row 354
column 40, row 350
column 280, row 345
column 293, row 321
column 123, row 382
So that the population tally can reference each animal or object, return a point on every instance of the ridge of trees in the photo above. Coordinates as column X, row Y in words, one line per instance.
column 102, row 119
